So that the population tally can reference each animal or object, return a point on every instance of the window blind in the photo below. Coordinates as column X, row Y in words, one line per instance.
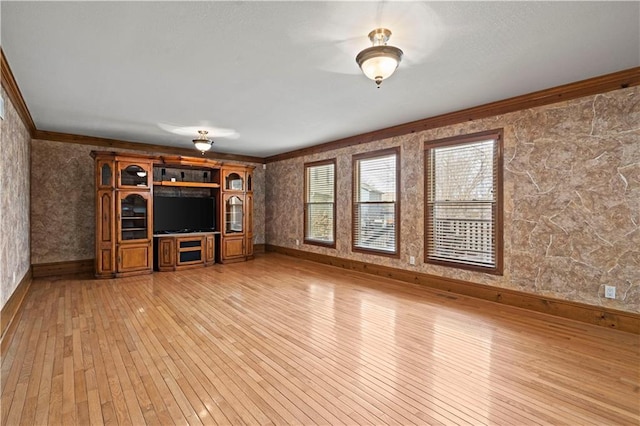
column 375, row 203
column 462, row 203
column 320, row 203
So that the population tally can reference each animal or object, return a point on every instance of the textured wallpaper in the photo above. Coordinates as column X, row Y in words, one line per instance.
column 571, row 200
column 14, row 201
column 63, row 202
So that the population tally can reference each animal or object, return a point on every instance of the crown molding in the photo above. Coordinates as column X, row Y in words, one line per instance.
column 591, row 86
column 138, row 146
column 13, row 91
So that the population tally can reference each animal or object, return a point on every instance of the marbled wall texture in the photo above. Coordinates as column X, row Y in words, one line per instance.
column 571, row 191
column 14, row 201
column 63, row 202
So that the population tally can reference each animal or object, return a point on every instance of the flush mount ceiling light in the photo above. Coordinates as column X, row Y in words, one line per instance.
column 379, row 61
column 203, row 143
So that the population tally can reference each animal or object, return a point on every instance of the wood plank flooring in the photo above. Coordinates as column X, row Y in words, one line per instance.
column 283, row 341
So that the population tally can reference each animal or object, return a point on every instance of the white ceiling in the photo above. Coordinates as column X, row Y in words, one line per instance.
column 279, row 76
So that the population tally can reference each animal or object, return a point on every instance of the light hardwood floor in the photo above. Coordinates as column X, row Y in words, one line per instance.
column 282, row 341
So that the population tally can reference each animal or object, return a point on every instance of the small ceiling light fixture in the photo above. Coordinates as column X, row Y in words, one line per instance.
column 379, row 61
column 203, row 143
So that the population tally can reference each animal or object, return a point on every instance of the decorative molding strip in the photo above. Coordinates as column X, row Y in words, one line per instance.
column 259, row 248
column 13, row 91
column 11, row 312
column 591, row 86
column 63, row 268
column 138, row 146
column 602, row 84
column 596, row 315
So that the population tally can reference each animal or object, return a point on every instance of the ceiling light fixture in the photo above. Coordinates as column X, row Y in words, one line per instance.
column 379, row 61
column 203, row 143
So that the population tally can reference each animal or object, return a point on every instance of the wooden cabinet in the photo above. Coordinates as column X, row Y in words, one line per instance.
column 248, row 221
column 105, row 262
column 166, row 249
column 190, row 251
column 210, row 250
column 105, row 235
column 237, row 214
column 134, row 258
column 124, row 215
column 125, row 188
column 181, row 251
column 134, row 174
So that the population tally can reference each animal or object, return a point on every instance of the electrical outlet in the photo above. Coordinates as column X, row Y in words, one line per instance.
column 412, row 260
column 13, row 281
column 610, row 291
column 297, row 242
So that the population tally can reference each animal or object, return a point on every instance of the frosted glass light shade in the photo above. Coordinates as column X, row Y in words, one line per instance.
column 380, row 66
column 202, row 145
column 379, row 62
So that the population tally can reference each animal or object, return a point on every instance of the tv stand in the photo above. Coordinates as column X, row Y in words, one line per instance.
column 173, row 252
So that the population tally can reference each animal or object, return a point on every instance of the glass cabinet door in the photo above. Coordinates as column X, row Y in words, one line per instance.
column 105, row 174
column 233, row 215
column 134, row 175
column 133, row 217
column 233, row 182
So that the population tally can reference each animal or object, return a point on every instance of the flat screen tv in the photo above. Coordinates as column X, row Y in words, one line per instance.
column 183, row 214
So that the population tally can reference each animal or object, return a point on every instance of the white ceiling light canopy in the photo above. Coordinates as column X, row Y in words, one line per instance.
column 379, row 61
column 202, row 142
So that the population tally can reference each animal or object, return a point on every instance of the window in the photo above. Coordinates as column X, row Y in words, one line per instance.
column 319, row 205
column 463, row 189
column 376, row 209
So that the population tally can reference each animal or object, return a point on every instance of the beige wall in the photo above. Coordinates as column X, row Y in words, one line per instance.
column 62, row 202
column 572, row 200
column 14, row 201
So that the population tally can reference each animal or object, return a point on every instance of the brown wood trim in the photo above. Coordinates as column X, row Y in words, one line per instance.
column 13, row 91
column 497, row 135
column 592, row 86
column 259, row 248
column 328, row 161
column 596, row 315
column 355, row 169
column 188, row 161
column 138, row 146
column 11, row 312
column 63, row 268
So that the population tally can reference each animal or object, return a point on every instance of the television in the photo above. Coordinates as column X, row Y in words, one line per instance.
column 183, row 214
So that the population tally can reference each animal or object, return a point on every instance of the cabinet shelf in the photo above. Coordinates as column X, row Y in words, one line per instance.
column 187, row 184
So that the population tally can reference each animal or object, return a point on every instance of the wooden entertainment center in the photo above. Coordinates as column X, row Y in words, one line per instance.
column 125, row 188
